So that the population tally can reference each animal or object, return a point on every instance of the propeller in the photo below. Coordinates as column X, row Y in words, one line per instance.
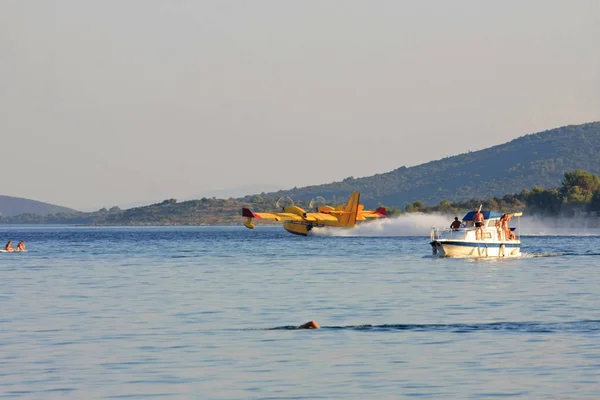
column 284, row 200
column 317, row 200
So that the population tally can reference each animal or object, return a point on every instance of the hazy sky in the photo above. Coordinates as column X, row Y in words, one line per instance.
column 112, row 102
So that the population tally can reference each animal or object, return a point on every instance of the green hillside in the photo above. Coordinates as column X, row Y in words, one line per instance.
column 510, row 176
column 579, row 195
column 10, row 206
column 539, row 159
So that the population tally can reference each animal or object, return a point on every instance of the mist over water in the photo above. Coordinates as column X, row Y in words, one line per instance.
column 419, row 224
column 413, row 224
column 559, row 226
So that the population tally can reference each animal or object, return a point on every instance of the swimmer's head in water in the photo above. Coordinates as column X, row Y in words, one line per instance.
column 309, row 325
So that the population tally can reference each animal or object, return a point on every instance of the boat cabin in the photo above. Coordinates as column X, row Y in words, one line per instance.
column 493, row 238
column 492, row 228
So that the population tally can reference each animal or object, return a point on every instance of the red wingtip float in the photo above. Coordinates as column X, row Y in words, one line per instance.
column 299, row 222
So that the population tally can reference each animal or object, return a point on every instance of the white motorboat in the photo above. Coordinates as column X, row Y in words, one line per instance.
column 490, row 241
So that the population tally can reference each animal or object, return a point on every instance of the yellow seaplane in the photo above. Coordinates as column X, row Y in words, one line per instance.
column 299, row 222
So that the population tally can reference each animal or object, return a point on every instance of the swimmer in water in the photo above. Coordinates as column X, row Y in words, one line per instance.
column 9, row 247
column 309, row 325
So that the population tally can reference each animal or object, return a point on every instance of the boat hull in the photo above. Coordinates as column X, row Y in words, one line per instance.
column 460, row 248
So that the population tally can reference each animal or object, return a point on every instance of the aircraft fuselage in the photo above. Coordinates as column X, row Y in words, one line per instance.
column 297, row 228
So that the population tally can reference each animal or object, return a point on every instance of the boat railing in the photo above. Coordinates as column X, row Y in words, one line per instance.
column 461, row 234
column 436, row 233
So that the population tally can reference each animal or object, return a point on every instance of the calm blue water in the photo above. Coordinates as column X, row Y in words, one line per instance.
column 188, row 313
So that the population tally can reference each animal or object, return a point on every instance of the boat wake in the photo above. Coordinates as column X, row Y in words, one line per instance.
column 566, row 254
column 533, row 255
column 503, row 259
column 585, row 326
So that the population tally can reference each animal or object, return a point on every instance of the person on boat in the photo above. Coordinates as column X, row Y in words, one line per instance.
column 9, row 247
column 478, row 220
column 455, row 224
column 21, row 246
column 310, row 325
column 500, row 227
column 508, row 233
column 511, row 234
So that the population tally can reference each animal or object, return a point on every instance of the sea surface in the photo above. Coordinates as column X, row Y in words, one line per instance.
column 210, row 312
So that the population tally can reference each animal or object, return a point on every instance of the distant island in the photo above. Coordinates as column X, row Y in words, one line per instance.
column 11, row 206
column 548, row 173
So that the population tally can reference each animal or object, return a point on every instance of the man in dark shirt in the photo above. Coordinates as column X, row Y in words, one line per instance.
column 455, row 224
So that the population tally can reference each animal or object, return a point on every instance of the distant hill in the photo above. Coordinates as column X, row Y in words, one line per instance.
column 169, row 212
column 11, row 206
column 539, row 159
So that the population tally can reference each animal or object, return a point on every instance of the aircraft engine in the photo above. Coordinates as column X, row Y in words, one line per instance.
column 295, row 210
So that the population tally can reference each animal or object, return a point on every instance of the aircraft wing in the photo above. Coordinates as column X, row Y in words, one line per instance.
column 319, row 217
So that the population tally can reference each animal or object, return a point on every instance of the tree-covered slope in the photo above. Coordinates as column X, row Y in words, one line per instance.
column 10, row 206
column 579, row 195
column 169, row 212
column 539, row 159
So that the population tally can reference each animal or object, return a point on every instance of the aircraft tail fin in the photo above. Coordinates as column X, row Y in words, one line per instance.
column 348, row 218
column 249, row 214
column 381, row 211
